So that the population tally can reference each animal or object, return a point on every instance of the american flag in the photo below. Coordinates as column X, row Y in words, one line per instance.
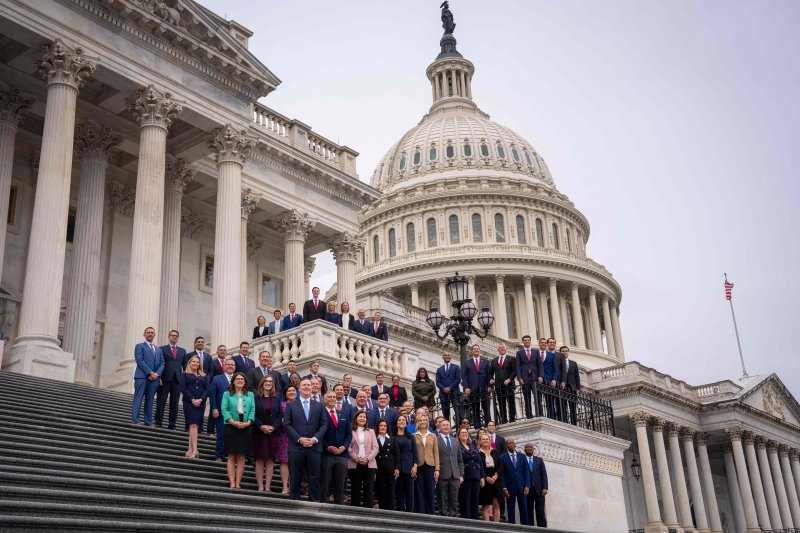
column 728, row 289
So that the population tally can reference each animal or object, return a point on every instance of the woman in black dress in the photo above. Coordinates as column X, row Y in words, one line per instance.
column 388, row 460
column 266, row 431
column 194, row 388
column 491, row 492
column 469, row 491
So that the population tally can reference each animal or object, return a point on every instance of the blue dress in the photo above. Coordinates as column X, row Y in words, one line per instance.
column 194, row 388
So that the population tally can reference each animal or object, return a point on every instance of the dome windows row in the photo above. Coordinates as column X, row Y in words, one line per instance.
column 466, row 149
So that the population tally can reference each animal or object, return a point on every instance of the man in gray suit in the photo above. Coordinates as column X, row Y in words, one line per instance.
column 451, row 470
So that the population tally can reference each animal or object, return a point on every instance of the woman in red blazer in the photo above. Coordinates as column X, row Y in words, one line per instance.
column 361, row 465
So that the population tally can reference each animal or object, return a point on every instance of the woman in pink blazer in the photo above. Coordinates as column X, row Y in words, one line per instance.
column 361, row 465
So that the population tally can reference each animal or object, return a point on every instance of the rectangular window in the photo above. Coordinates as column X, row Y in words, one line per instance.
column 71, row 224
column 12, row 206
column 270, row 291
column 208, row 271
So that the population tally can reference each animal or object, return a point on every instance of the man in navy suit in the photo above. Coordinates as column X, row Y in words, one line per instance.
column 361, row 324
column 361, row 405
column 149, row 366
column 219, row 386
column 502, row 372
column 242, row 359
column 275, row 326
column 314, row 309
column 335, row 444
column 384, row 411
column 448, row 379
column 570, row 381
column 517, row 482
column 205, row 364
column 538, row 487
column 291, row 368
column 264, row 369
column 528, row 366
column 314, row 367
column 379, row 387
column 218, row 364
column 377, row 328
column 550, row 377
column 170, row 383
column 343, row 406
column 306, row 424
column 292, row 320
column 476, row 383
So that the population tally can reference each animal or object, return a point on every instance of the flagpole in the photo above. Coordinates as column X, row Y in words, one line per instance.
column 736, row 330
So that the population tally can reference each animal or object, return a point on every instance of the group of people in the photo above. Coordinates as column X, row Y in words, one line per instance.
column 316, row 309
column 386, row 444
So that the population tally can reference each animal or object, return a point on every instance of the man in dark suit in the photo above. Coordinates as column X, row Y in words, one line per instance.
column 314, row 309
column 149, row 366
column 387, row 413
column 205, row 364
column 275, row 326
column 170, row 384
column 218, row 364
column 306, row 423
column 291, row 368
column 335, row 444
column 261, row 330
column 362, row 324
column 350, row 392
column 451, row 470
column 361, row 405
column 314, row 367
column 397, row 393
column 528, row 367
column 219, row 386
column 347, row 320
column 448, row 379
column 379, row 387
column 475, row 380
column 570, row 380
column 264, row 369
column 550, row 377
column 538, row 488
column 496, row 440
column 242, row 359
column 517, row 482
column 502, row 371
column 377, row 328
column 292, row 320
column 342, row 405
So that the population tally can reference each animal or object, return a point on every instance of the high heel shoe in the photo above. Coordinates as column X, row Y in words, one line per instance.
column 196, row 455
column 187, row 454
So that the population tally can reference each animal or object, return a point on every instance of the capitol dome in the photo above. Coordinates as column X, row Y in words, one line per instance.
column 464, row 193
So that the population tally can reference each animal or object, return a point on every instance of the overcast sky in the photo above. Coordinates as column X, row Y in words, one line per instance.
column 673, row 126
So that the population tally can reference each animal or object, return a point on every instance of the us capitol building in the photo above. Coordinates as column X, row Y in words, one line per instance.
column 143, row 182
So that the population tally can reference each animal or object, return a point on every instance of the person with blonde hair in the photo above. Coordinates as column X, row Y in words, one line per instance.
column 427, row 465
column 194, row 387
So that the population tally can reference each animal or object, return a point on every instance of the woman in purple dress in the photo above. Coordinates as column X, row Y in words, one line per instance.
column 266, row 427
column 282, row 455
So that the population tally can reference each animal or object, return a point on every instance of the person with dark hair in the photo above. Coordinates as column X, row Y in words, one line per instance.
column 264, row 369
column 335, row 446
column 314, row 373
column 276, row 325
column 149, row 366
column 219, row 385
column 528, row 371
column 407, row 465
column 170, row 383
column 242, row 359
column 502, row 373
column 451, row 471
column 238, row 411
column 475, row 378
column 361, row 464
column 397, row 393
column 266, row 430
column 388, row 463
column 469, row 491
column 377, row 328
column 516, row 482
column 385, row 412
column 314, row 309
column 261, row 330
column 423, row 389
column 292, row 319
column 282, row 456
column 306, row 423
column 571, row 382
column 538, row 487
column 194, row 387
column 448, row 381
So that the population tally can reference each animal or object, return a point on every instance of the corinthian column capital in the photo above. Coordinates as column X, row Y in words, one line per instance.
column 63, row 65
column 639, row 419
column 735, row 433
column 346, row 246
column 11, row 105
column 179, row 174
column 93, row 141
column 230, row 146
column 309, row 264
column 249, row 202
column 123, row 198
column 294, row 225
column 154, row 108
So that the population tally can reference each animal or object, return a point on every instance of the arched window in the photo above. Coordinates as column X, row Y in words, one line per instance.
column 454, row 233
column 431, row 232
column 501, row 152
column 511, row 317
column 515, row 154
column 432, row 154
column 521, row 230
column 528, row 158
column 403, row 162
column 483, row 301
column 411, row 240
column 434, row 302
column 417, row 157
column 477, row 228
column 556, row 243
column 499, row 228
column 539, row 233
column 467, row 150
column 392, row 243
column 566, row 236
column 376, row 253
column 484, row 150
column 450, row 152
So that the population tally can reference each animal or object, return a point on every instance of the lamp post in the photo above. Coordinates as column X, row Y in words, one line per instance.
column 459, row 325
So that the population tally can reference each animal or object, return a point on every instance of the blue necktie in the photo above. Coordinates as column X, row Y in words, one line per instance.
column 447, row 440
column 305, row 408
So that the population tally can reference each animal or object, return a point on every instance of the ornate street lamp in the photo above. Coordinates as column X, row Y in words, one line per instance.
column 459, row 324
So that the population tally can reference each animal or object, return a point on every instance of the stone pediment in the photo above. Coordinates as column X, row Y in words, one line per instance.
column 195, row 36
column 771, row 396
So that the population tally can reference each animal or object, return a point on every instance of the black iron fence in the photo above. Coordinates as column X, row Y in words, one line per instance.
column 507, row 404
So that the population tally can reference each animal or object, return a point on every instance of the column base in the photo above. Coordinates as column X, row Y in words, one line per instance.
column 122, row 378
column 40, row 356
column 656, row 527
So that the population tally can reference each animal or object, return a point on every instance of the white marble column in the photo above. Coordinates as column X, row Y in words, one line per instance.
column 791, row 489
column 794, row 460
column 681, row 494
column 93, row 144
column 751, row 515
column 309, row 264
column 414, row 288
column 780, row 489
column 700, row 516
column 444, row 306
column 739, row 522
column 11, row 107
column 709, row 495
column 178, row 175
column 594, row 320
column 249, row 202
column 471, row 289
column 775, row 518
column 501, row 322
column 617, row 332
column 295, row 227
column 555, row 312
column 664, row 480
column 612, row 350
column 562, row 305
column 231, row 148
column 345, row 248
column 527, row 281
column 762, row 510
column 36, row 349
column 543, row 313
column 648, row 479
column 577, row 317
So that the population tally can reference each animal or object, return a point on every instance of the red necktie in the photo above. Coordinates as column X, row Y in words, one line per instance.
column 529, row 355
column 477, row 364
column 376, row 327
column 501, row 362
column 315, row 304
column 174, row 352
column 542, row 355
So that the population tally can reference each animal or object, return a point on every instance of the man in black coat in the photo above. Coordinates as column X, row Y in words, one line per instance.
column 502, row 371
column 570, row 381
column 170, row 384
column 314, row 309
column 264, row 369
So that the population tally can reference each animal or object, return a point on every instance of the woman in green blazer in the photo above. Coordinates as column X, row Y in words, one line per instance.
column 238, row 409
